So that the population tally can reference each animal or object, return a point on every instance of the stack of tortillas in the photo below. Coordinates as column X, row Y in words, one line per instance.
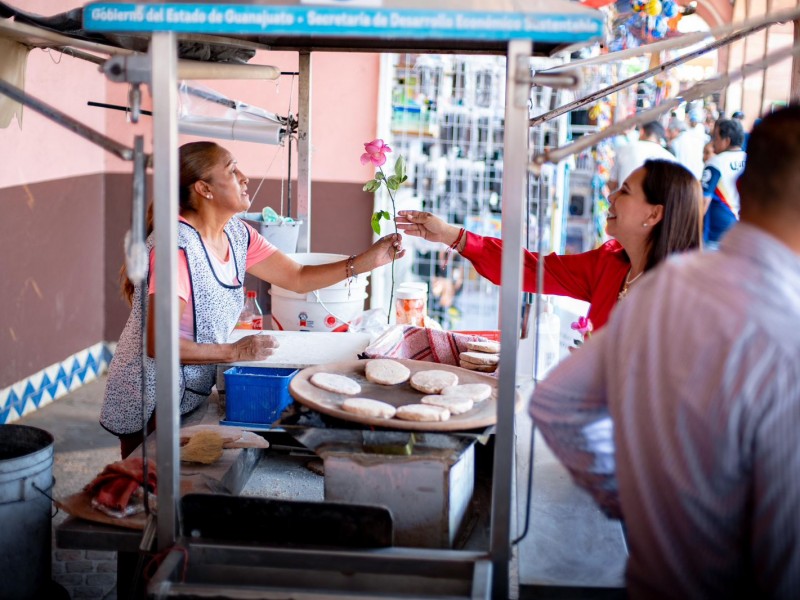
column 480, row 356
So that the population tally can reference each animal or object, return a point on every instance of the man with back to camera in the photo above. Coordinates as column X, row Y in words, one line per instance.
column 684, row 144
column 739, row 116
column 681, row 415
column 632, row 156
column 719, row 181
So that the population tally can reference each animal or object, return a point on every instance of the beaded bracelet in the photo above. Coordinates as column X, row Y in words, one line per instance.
column 350, row 272
column 454, row 245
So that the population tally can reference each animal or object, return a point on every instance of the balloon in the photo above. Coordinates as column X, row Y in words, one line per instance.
column 653, row 8
column 669, row 8
column 662, row 26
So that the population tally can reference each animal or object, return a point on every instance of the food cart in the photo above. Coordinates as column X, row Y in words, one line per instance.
column 516, row 29
column 509, row 28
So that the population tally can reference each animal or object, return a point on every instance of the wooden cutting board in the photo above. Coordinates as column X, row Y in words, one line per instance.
column 483, row 414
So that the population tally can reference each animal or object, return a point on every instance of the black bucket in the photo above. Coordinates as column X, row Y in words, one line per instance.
column 26, row 482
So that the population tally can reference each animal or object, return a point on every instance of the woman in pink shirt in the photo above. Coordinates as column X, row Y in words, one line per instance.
column 216, row 248
column 655, row 213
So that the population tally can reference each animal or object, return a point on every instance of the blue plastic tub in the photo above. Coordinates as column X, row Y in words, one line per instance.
column 256, row 395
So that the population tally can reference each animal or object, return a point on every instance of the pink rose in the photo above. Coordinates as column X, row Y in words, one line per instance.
column 375, row 153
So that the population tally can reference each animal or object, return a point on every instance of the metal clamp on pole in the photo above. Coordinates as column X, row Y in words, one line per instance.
column 134, row 68
column 568, row 79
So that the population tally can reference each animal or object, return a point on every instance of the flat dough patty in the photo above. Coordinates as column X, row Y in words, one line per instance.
column 487, row 346
column 433, row 381
column 477, row 392
column 474, row 367
column 455, row 404
column 367, row 407
column 386, row 372
column 338, row 384
column 479, row 358
column 422, row 412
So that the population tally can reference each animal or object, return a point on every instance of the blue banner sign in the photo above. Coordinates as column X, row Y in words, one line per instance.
column 380, row 23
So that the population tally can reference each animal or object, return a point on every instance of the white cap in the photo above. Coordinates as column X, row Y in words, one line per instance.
column 414, row 285
column 408, row 293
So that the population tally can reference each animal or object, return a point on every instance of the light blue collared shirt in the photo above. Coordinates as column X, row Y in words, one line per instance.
column 683, row 414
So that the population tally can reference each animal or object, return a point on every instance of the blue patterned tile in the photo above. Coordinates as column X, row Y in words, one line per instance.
column 54, row 381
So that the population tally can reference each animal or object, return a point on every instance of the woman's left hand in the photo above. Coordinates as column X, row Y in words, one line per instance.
column 381, row 253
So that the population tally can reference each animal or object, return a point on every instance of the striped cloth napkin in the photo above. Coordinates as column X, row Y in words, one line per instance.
column 419, row 343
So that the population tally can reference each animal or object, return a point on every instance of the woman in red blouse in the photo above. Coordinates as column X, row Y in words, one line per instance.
column 655, row 213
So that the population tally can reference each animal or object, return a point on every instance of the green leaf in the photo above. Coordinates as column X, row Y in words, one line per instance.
column 376, row 223
column 371, row 186
column 403, row 179
column 386, row 215
column 378, row 176
column 400, row 168
column 393, row 183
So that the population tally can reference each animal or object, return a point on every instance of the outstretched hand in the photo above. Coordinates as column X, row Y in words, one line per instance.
column 427, row 226
column 382, row 252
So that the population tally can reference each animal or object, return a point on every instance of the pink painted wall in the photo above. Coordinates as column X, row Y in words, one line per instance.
column 344, row 115
column 40, row 150
column 344, row 95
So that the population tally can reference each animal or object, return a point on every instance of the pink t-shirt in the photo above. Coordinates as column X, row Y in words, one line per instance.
column 258, row 250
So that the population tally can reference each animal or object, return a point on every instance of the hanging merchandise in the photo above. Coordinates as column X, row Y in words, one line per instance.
column 644, row 21
column 600, row 114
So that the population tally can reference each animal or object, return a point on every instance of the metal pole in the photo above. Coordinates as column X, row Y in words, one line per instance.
column 304, row 152
column 644, row 75
column 66, row 121
column 766, row 71
column 289, row 175
column 515, row 176
column 744, row 60
column 700, row 90
column 794, row 85
column 164, row 55
column 686, row 39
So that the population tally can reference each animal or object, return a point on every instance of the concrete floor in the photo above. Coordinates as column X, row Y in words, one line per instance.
column 571, row 550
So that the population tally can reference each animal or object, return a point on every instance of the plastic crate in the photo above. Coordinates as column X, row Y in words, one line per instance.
column 256, row 394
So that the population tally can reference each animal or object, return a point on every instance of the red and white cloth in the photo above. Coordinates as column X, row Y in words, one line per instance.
column 419, row 343
column 116, row 484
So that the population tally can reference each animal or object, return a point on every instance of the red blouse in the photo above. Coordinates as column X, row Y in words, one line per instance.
column 596, row 276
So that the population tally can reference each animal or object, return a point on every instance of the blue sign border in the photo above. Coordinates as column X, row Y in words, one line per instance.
column 310, row 20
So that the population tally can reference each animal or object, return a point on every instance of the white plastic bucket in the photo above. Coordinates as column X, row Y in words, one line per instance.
column 326, row 309
column 282, row 235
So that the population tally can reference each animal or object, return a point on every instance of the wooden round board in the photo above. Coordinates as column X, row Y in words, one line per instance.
column 483, row 414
